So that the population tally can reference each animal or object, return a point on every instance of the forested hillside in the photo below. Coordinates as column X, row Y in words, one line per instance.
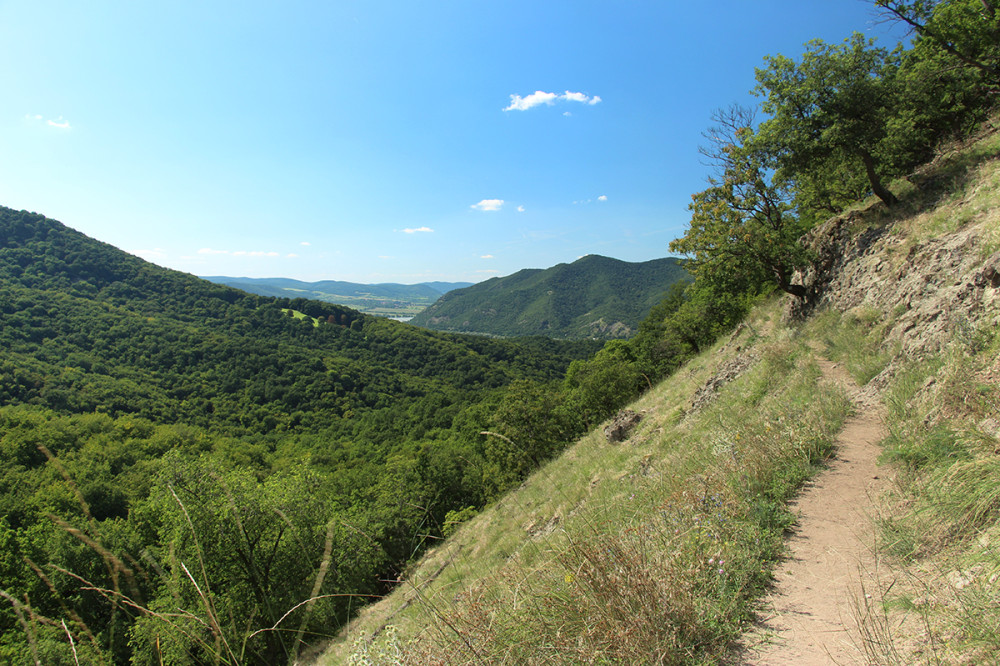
column 126, row 387
column 593, row 297
column 193, row 475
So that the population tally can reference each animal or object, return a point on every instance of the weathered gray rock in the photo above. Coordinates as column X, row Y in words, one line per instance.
column 621, row 426
column 726, row 373
column 931, row 289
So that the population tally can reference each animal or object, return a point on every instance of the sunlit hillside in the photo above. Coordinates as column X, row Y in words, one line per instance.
column 659, row 548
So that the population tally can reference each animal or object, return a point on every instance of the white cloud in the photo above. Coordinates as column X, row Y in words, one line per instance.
column 291, row 255
column 518, row 103
column 603, row 197
column 306, row 243
column 208, row 250
column 486, row 256
column 422, row 230
column 488, row 205
column 520, row 209
column 539, row 97
column 58, row 123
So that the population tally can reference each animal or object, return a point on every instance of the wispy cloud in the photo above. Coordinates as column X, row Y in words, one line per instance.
column 291, row 255
column 539, row 98
column 305, row 243
column 419, row 230
column 488, row 205
column 486, row 256
column 603, row 197
column 240, row 253
column 58, row 123
column 520, row 209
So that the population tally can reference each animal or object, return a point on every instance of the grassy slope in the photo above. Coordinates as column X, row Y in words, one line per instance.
column 615, row 541
column 656, row 550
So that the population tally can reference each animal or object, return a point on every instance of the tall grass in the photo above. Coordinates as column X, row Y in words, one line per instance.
column 664, row 563
column 939, row 535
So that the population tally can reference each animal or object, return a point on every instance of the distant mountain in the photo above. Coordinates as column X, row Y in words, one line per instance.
column 593, row 297
column 386, row 299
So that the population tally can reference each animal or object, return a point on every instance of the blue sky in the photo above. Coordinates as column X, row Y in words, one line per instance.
column 378, row 141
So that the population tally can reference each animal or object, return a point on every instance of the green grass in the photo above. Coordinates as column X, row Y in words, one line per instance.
column 657, row 550
column 857, row 339
column 301, row 315
column 939, row 532
column 652, row 551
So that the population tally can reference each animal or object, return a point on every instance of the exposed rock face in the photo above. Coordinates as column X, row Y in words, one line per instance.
column 931, row 288
column 726, row 373
column 621, row 426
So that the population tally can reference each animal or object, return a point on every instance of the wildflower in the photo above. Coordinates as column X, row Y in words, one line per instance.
column 568, row 578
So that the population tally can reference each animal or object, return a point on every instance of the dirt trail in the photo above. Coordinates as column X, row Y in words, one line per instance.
column 809, row 615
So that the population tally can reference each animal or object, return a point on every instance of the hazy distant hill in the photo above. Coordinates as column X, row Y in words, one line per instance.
column 387, row 299
column 593, row 297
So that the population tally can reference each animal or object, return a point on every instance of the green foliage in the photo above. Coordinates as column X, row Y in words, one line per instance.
column 236, row 550
column 829, row 115
column 454, row 519
column 967, row 32
column 598, row 387
column 742, row 226
column 176, row 452
column 593, row 297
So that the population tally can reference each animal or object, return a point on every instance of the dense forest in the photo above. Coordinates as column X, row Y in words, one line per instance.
column 191, row 474
column 122, row 381
column 593, row 297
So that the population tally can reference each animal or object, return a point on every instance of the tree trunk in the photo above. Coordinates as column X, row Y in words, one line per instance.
column 880, row 190
column 781, row 275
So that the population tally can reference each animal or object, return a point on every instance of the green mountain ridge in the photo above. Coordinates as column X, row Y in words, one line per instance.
column 150, row 419
column 108, row 319
column 593, row 297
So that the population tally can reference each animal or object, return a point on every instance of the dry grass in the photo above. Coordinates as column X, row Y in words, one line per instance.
column 939, row 532
column 650, row 551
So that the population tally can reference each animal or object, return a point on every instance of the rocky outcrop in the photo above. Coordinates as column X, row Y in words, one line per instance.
column 929, row 289
column 620, row 427
column 726, row 373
